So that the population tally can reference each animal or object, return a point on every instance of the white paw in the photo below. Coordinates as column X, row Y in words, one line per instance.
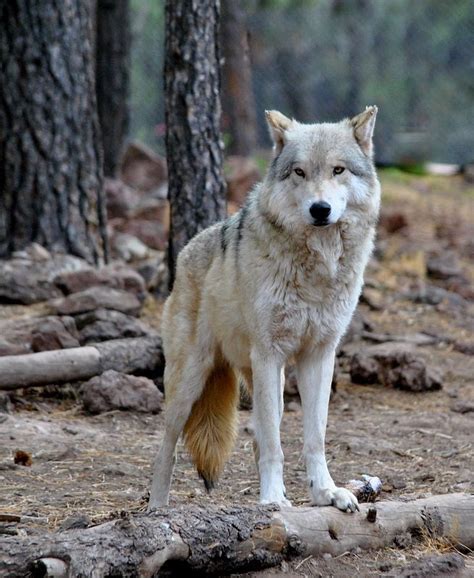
column 339, row 497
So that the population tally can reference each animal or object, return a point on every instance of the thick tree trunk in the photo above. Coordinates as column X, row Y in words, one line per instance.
column 112, row 77
column 231, row 539
column 50, row 158
column 193, row 144
column 237, row 93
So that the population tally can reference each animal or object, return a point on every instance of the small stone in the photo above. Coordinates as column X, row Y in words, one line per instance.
column 292, row 406
column 443, row 266
column 462, row 406
column 75, row 522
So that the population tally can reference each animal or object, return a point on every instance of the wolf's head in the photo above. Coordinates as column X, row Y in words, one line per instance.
column 320, row 172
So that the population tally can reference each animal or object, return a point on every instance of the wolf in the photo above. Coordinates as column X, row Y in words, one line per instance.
column 275, row 282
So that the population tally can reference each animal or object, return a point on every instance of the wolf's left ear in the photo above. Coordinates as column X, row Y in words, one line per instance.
column 278, row 124
column 363, row 125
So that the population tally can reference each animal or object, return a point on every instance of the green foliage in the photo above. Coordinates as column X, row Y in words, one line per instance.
column 326, row 59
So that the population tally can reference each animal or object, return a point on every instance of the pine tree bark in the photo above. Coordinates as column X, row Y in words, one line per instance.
column 193, row 144
column 50, row 157
column 237, row 93
column 112, row 77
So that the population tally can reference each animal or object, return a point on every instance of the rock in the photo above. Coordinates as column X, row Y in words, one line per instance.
column 152, row 209
column 152, row 234
column 120, row 199
column 432, row 295
column 116, row 275
column 155, row 274
column 54, row 333
column 28, row 277
column 128, row 247
column 75, row 522
column 435, row 565
column 443, row 266
column 97, row 298
column 27, row 335
column 462, row 406
column 105, row 324
column 142, row 169
column 364, row 369
column 241, row 174
column 392, row 221
column 393, row 365
column 113, row 390
column 292, row 406
column 466, row 347
column 5, row 403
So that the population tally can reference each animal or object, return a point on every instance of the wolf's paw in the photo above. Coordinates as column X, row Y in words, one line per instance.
column 339, row 497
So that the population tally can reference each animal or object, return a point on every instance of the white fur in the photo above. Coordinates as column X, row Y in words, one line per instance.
column 276, row 288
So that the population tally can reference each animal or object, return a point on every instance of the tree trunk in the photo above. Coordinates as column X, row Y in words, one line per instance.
column 237, row 92
column 112, row 77
column 193, row 144
column 50, row 158
column 231, row 539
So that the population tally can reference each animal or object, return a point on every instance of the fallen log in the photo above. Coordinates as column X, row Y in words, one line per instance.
column 231, row 539
column 134, row 355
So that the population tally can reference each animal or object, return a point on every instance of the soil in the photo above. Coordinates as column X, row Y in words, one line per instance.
column 418, row 444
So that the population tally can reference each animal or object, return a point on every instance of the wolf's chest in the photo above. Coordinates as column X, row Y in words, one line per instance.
column 317, row 307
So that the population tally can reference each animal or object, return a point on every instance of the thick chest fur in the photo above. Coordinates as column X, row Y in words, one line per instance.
column 311, row 297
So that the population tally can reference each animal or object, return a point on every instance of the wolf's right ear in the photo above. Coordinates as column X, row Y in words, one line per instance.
column 363, row 125
column 278, row 124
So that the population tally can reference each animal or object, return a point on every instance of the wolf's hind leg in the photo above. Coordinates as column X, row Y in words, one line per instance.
column 314, row 370
column 182, row 387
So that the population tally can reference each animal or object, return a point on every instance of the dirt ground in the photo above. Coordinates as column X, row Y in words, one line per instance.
column 418, row 444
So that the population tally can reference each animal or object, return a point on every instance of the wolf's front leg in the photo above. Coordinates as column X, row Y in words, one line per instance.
column 314, row 370
column 267, row 386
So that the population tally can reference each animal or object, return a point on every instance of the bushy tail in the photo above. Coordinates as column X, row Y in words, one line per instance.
column 210, row 431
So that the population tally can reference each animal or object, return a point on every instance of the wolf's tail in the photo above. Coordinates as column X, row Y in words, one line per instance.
column 210, row 431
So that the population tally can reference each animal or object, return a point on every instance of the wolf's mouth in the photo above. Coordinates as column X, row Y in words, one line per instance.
column 324, row 223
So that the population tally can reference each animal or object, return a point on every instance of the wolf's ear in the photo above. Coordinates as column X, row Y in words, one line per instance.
column 363, row 125
column 278, row 124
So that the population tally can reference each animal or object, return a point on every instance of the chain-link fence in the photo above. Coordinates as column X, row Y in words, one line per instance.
column 326, row 59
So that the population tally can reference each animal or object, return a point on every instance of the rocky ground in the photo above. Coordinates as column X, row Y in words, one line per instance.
column 402, row 409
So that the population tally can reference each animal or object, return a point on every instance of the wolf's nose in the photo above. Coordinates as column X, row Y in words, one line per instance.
column 320, row 211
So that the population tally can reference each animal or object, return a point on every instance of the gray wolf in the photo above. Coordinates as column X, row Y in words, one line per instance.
column 277, row 281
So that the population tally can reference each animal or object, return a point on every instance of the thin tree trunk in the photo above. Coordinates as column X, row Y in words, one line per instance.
column 112, row 77
column 50, row 158
column 237, row 92
column 193, row 144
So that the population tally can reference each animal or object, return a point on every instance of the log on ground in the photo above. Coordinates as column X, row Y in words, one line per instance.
column 230, row 539
column 134, row 355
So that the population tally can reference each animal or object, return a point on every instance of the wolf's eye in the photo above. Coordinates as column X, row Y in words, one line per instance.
column 338, row 170
column 300, row 172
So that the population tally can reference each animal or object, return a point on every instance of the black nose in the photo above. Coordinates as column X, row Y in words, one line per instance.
column 320, row 211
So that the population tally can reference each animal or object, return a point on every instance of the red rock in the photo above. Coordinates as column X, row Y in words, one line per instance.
column 241, row 174
column 142, row 169
column 114, row 390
